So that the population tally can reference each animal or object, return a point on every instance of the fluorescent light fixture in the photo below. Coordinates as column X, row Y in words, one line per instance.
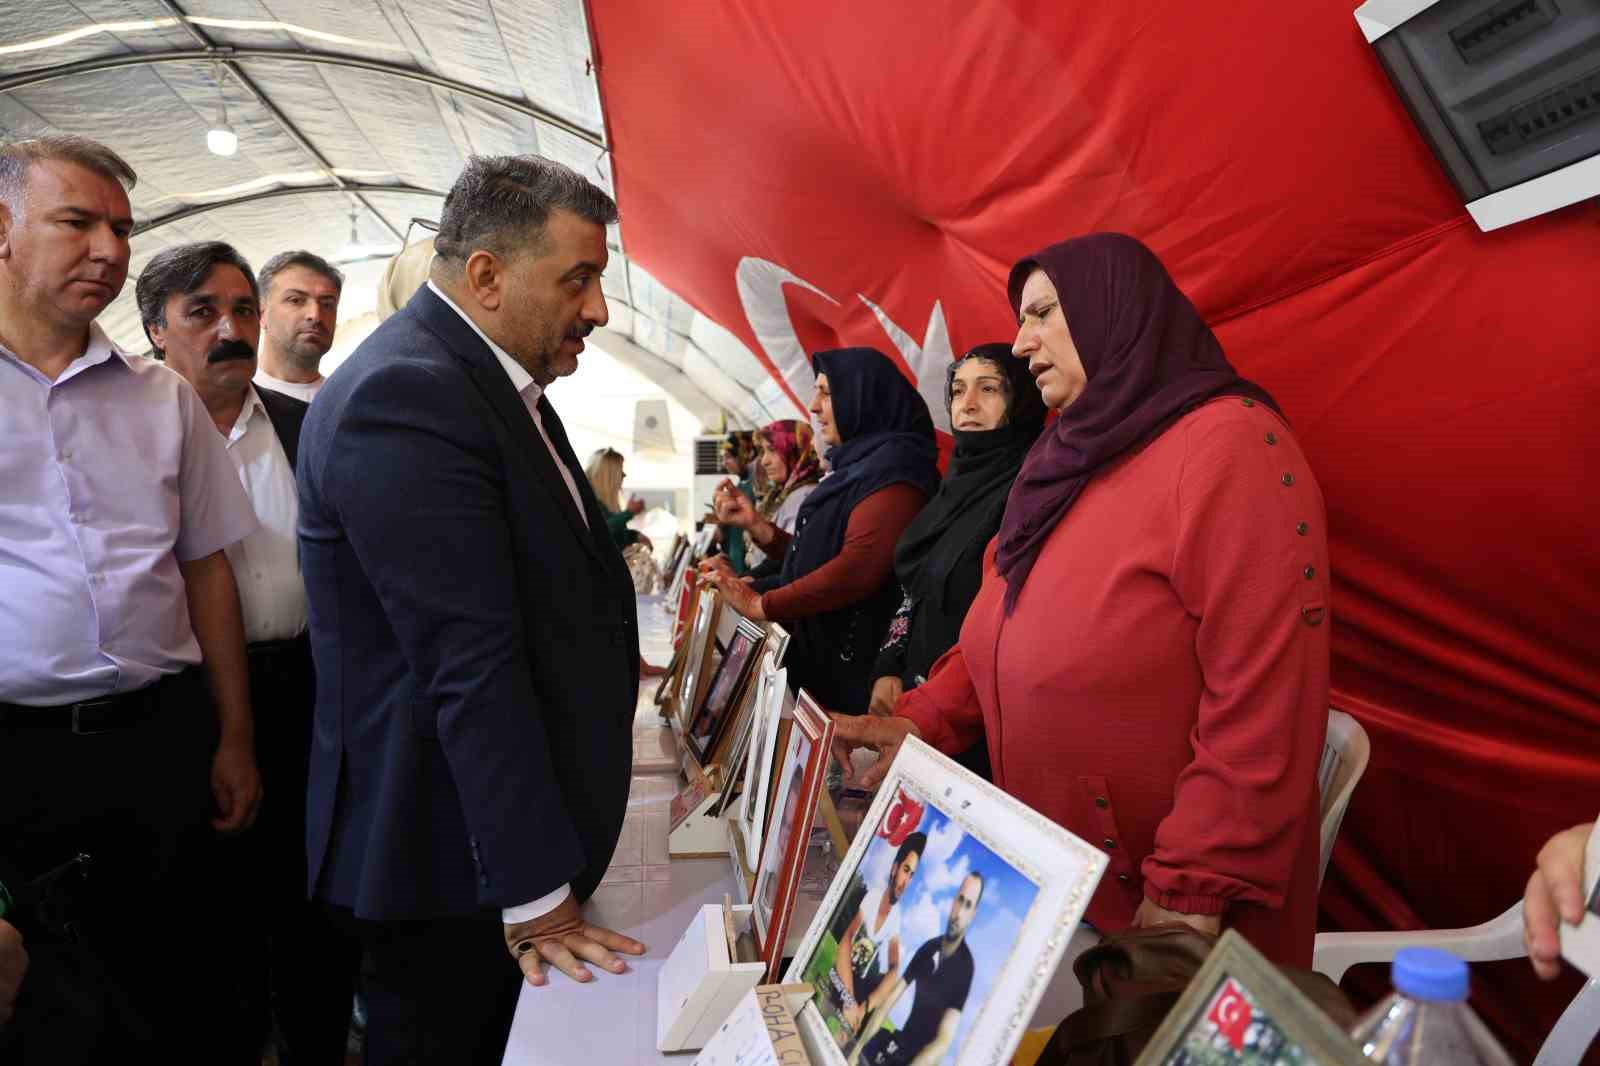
column 56, row 40
column 265, row 181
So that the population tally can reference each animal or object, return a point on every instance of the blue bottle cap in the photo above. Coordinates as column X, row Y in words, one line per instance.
column 1429, row 973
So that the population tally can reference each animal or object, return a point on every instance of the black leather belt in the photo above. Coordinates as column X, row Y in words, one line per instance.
column 86, row 718
column 274, row 656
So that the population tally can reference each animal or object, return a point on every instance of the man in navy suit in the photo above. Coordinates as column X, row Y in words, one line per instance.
column 473, row 626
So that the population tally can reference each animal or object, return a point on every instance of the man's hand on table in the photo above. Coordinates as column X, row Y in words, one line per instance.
column 566, row 941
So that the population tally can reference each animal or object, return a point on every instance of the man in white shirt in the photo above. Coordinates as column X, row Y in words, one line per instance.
column 118, row 504
column 299, row 313
column 198, row 304
column 474, row 628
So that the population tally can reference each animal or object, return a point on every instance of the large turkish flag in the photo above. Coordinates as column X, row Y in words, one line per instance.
column 831, row 172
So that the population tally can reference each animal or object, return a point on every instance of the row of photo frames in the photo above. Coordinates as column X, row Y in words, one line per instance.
column 945, row 921
column 682, row 560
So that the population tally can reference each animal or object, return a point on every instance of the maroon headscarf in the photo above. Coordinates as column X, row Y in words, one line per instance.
column 1149, row 358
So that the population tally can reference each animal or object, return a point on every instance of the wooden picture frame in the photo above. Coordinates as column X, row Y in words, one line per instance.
column 699, row 644
column 683, row 613
column 709, row 722
column 1239, row 1008
column 672, row 572
column 794, row 810
column 940, row 844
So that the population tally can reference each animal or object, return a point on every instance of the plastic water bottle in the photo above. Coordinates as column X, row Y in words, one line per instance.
column 1425, row 1021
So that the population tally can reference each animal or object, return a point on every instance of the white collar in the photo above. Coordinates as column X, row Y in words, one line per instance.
column 99, row 350
column 252, row 404
column 521, row 380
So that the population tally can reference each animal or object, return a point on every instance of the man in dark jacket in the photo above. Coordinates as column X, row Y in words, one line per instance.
column 476, row 644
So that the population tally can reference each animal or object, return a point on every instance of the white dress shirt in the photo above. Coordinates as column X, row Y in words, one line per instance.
column 300, row 390
column 266, row 564
column 529, row 391
column 110, row 477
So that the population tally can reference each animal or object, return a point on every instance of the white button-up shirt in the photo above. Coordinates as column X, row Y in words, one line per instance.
column 266, row 564
column 529, row 391
column 110, row 476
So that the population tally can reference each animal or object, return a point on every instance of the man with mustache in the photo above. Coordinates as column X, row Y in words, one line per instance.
column 474, row 625
column 200, row 309
column 124, row 705
column 299, row 312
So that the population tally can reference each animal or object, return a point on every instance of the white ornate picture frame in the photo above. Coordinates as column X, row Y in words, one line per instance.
column 772, row 689
column 1020, row 881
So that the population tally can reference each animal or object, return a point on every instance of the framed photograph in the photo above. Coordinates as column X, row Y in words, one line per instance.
column 1240, row 1009
column 772, row 687
column 683, row 614
column 733, row 754
column 698, row 651
column 944, row 923
column 672, row 573
column 777, row 642
column 665, row 686
column 710, row 720
column 783, row 852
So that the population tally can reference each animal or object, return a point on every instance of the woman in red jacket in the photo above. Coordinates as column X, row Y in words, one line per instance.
column 1147, row 656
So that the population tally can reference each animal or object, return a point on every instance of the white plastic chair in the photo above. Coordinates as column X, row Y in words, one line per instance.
column 1344, row 760
column 1499, row 938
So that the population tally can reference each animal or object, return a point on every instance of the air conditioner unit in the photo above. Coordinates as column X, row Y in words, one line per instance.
column 1506, row 92
column 708, row 473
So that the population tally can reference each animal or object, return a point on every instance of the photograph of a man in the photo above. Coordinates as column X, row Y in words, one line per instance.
column 941, row 970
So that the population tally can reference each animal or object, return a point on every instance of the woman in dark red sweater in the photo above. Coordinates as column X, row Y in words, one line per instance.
column 1147, row 656
column 836, row 591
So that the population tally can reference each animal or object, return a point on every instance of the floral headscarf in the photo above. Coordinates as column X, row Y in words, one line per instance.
column 791, row 439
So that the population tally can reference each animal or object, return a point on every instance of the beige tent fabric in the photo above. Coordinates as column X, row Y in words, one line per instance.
column 407, row 273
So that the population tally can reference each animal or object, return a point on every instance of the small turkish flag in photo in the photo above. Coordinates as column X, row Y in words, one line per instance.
column 1231, row 1014
column 901, row 820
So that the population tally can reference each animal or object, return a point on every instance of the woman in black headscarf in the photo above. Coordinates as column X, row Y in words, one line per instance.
column 836, row 591
column 996, row 413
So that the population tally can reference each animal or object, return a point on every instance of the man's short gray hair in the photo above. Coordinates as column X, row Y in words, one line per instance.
column 18, row 157
column 501, row 203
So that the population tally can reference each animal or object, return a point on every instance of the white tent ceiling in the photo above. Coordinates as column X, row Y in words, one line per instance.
column 363, row 106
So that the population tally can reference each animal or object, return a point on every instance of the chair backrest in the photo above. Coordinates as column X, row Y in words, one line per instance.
column 1344, row 760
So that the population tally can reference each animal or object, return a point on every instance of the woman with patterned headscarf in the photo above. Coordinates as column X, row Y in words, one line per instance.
column 792, row 468
column 739, row 463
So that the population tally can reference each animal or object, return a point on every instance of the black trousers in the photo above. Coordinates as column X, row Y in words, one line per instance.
column 303, row 969
column 440, row 992
column 137, row 800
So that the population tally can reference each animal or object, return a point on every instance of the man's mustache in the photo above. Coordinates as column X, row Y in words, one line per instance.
column 228, row 351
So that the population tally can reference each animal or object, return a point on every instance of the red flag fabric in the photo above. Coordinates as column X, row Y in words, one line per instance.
column 831, row 173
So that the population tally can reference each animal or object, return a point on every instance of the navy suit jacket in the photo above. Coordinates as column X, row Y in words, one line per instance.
column 476, row 644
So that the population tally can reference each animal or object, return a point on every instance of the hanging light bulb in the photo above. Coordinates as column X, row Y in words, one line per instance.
column 220, row 138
